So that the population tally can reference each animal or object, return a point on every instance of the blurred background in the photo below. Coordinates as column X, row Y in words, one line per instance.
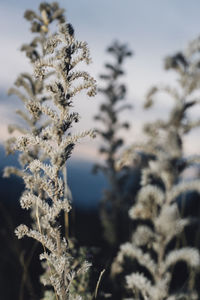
column 151, row 29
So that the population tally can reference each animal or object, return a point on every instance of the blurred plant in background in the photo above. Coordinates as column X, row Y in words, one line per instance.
column 115, row 203
column 152, row 250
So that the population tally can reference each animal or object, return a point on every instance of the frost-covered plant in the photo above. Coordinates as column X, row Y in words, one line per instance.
column 27, row 86
column 113, row 204
column 44, row 184
column 151, row 249
column 81, row 285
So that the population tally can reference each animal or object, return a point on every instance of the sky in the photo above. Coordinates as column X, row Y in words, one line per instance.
column 153, row 29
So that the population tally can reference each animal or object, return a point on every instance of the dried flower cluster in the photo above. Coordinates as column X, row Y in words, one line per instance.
column 28, row 87
column 45, row 188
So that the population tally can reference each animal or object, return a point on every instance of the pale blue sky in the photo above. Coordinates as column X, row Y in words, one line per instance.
column 152, row 28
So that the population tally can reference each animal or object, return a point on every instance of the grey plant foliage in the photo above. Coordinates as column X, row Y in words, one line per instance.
column 156, row 208
column 80, row 286
column 114, row 93
column 44, row 184
column 27, row 87
column 40, row 23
